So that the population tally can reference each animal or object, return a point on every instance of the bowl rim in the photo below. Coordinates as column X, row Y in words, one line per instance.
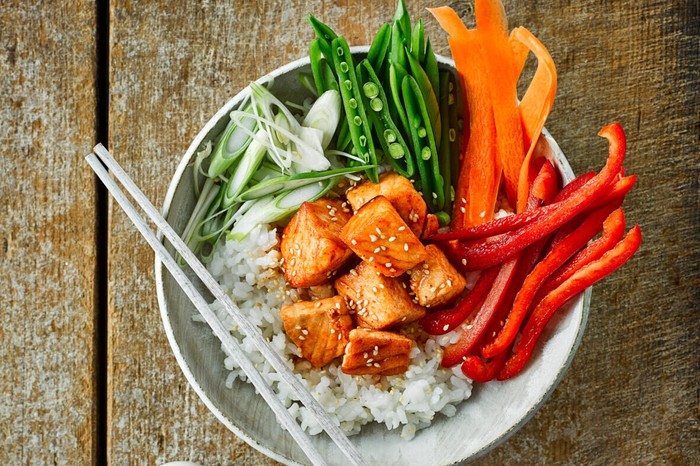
column 196, row 143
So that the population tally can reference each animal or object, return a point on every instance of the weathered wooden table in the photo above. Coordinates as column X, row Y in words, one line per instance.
column 87, row 375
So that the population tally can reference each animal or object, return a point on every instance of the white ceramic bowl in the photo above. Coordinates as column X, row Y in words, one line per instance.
column 494, row 412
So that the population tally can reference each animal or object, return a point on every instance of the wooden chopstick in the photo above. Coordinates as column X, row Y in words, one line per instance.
column 250, row 330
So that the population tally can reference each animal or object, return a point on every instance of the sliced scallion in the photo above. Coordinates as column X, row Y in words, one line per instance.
column 286, row 183
column 232, row 144
column 245, row 169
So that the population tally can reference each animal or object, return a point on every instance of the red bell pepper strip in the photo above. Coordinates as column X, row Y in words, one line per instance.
column 475, row 367
column 481, row 371
column 528, row 259
column 489, row 252
column 446, row 320
column 614, row 195
column 454, row 353
column 613, row 231
column 561, row 250
column 545, row 186
column 572, row 186
column 618, row 190
column 544, row 189
column 494, row 227
column 579, row 281
column 612, row 198
column 504, row 286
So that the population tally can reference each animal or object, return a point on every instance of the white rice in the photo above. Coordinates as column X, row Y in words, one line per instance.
column 249, row 272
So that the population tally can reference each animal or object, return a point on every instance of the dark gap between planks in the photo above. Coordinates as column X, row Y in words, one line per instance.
column 102, row 30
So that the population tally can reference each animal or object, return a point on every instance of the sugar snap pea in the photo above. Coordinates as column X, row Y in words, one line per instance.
column 323, row 73
column 424, row 144
column 324, row 31
column 444, row 149
column 317, row 66
column 377, row 108
column 403, row 19
column 397, row 46
column 396, row 76
column 358, row 125
column 396, row 72
column 418, row 41
column 455, row 106
column 431, row 67
column 325, row 35
column 429, row 96
column 328, row 77
column 379, row 48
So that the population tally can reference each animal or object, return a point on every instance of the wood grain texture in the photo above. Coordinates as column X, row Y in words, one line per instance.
column 47, row 243
column 630, row 396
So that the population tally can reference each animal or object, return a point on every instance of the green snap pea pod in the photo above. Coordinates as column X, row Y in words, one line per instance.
column 396, row 76
column 380, row 46
column 456, row 119
column 324, row 31
column 325, row 34
column 358, row 125
column 404, row 20
column 445, row 146
column 431, row 68
column 423, row 182
column 377, row 107
column 344, row 138
column 397, row 46
column 329, row 77
column 396, row 72
column 317, row 62
column 429, row 96
column 330, row 83
column 432, row 183
column 418, row 41
column 325, row 79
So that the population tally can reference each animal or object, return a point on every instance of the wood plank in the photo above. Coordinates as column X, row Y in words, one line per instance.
column 47, row 227
column 634, row 62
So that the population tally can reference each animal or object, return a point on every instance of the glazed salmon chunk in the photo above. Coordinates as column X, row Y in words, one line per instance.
column 311, row 250
column 320, row 329
column 378, row 234
column 436, row 282
column 373, row 352
column 377, row 301
column 400, row 192
column 431, row 226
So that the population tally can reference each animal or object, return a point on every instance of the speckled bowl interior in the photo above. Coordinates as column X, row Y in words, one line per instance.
column 494, row 412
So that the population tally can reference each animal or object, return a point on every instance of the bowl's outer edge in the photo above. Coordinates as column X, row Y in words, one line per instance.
column 566, row 172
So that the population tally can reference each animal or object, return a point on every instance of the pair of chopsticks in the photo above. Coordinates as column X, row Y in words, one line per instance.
column 227, row 340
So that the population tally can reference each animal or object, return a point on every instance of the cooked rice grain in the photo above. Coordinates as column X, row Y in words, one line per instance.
column 249, row 273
